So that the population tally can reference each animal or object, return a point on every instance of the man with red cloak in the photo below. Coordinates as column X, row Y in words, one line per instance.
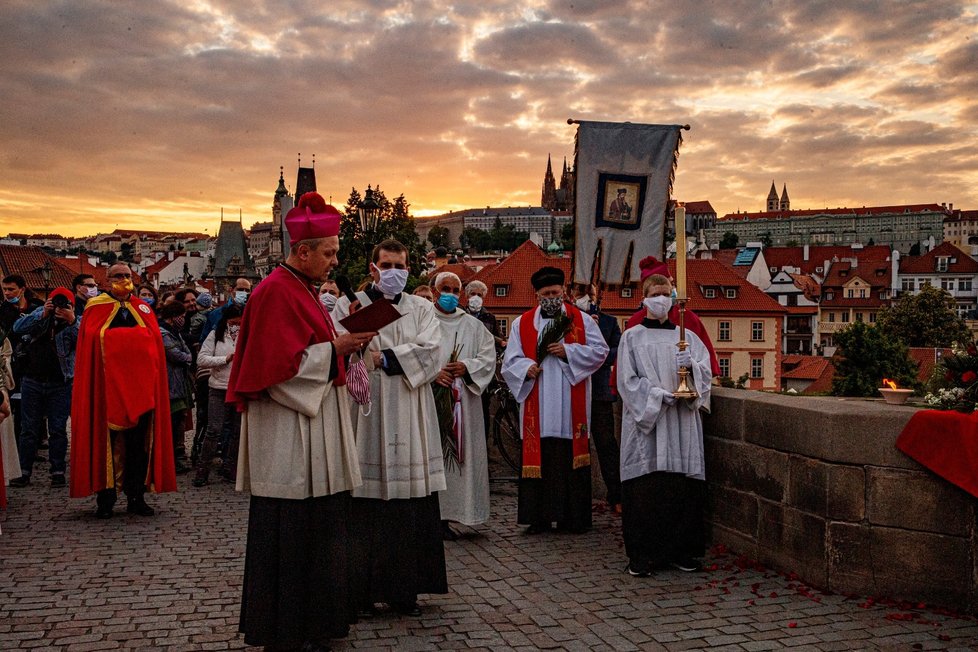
column 297, row 456
column 120, row 404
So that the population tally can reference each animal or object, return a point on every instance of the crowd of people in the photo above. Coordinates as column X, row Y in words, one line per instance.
column 359, row 430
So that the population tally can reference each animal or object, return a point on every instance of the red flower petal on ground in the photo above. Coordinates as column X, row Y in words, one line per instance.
column 792, row 625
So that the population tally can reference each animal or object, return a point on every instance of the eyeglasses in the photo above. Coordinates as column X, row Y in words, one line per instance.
column 91, row 285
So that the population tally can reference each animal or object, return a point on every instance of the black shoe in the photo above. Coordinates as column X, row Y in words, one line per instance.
column 407, row 609
column 447, row 533
column 639, row 569
column 58, row 480
column 103, row 512
column 687, row 565
column 22, row 481
column 181, row 467
column 199, row 482
column 140, row 508
column 537, row 529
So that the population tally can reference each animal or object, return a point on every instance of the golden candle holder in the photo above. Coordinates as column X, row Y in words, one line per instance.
column 685, row 388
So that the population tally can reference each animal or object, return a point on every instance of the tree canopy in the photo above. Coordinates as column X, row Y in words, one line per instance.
column 866, row 356
column 729, row 240
column 502, row 237
column 439, row 236
column 928, row 318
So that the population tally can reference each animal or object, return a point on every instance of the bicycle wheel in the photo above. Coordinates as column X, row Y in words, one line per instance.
column 506, row 432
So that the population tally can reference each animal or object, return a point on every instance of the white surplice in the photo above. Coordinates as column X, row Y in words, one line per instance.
column 466, row 499
column 557, row 375
column 398, row 442
column 297, row 441
column 656, row 436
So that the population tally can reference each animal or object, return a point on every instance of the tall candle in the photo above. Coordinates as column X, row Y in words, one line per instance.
column 680, row 224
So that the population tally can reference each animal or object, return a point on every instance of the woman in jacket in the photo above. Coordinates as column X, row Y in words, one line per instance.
column 216, row 354
column 179, row 360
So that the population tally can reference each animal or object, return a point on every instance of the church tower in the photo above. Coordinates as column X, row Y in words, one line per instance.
column 281, row 204
column 773, row 202
column 549, row 197
column 305, row 179
column 567, row 188
column 785, row 202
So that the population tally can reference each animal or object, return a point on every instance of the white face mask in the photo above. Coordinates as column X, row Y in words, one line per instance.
column 392, row 281
column 475, row 303
column 328, row 300
column 91, row 292
column 584, row 303
column 658, row 307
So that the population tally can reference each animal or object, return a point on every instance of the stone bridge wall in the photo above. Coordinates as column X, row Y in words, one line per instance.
column 816, row 486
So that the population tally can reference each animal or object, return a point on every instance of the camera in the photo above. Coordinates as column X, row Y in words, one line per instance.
column 60, row 301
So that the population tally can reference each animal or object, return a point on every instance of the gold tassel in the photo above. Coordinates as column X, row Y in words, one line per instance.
column 581, row 461
column 532, row 472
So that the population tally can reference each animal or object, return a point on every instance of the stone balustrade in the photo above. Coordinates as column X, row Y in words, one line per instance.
column 816, row 486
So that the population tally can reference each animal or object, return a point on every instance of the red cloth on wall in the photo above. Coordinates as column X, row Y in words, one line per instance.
column 946, row 442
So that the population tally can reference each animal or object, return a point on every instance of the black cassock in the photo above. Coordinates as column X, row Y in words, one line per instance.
column 562, row 494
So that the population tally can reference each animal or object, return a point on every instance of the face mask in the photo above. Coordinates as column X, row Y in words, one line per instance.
column 328, row 300
column 584, row 303
column 658, row 307
column 240, row 297
column 448, row 301
column 149, row 301
column 178, row 322
column 392, row 281
column 91, row 292
column 123, row 287
column 475, row 303
column 673, row 296
column 551, row 306
column 13, row 300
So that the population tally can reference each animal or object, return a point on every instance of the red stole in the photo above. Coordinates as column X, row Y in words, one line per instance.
column 531, row 407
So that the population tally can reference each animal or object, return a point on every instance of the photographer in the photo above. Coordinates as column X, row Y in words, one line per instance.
column 52, row 331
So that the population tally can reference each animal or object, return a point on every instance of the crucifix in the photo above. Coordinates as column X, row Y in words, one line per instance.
column 396, row 442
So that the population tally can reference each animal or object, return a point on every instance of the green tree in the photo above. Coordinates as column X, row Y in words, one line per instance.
column 395, row 222
column 108, row 257
column 439, row 236
column 567, row 236
column 791, row 243
column 914, row 249
column 866, row 356
column 475, row 239
column 928, row 318
column 126, row 252
column 729, row 240
column 766, row 239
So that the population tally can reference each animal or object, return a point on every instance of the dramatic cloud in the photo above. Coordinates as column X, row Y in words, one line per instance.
column 160, row 114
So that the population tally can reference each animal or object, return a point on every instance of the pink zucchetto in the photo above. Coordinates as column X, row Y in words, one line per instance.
column 651, row 265
column 312, row 218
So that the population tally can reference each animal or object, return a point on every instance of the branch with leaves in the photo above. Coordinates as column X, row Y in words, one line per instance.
column 445, row 410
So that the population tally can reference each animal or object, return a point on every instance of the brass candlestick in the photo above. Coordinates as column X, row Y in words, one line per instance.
column 685, row 389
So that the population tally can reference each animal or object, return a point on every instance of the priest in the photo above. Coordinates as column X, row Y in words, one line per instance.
column 471, row 364
column 120, row 403
column 297, row 456
column 551, row 354
column 662, row 461
column 396, row 527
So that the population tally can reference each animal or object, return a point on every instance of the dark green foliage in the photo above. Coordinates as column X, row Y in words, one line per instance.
column 928, row 318
column 729, row 240
column 866, row 356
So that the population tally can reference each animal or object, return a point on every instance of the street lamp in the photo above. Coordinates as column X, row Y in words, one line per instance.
column 369, row 213
column 46, row 271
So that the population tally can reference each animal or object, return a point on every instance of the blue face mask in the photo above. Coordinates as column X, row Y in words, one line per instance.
column 240, row 297
column 13, row 300
column 448, row 302
column 149, row 301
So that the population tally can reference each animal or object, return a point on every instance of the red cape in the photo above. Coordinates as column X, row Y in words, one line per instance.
column 946, row 442
column 282, row 318
column 91, row 405
column 692, row 322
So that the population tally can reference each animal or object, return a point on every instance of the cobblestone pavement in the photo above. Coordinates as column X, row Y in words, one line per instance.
column 71, row 582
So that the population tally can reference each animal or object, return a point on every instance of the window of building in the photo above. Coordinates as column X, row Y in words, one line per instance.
column 845, row 316
column 872, row 318
column 831, row 317
column 862, row 294
column 626, row 293
column 757, row 367
column 859, row 316
column 756, row 331
column 724, row 367
column 908, row 284
column 503, row 325
column 723, row 333
column 964, row 284
column 849, row 294
column 947, row 284
column 731, row 293
column 829, row 296
column 942, row 264
column 709, row 293
column 502, row 290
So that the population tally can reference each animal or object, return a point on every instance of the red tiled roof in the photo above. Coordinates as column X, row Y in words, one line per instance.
column 727, row 258
column 963, row 216
column 514, row 272
column 809, row 286
column 868, row 210
column 708, row 272
column 802, row 310
column 81, row 265
column 927, row 263
column 464, row 272
column 781, row 257
column 822, row 384
column 28, row 262
column 926, row 358
column 810, row 367
column 699, row 207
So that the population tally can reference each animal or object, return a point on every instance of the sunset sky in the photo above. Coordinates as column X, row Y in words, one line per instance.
column 155, row 115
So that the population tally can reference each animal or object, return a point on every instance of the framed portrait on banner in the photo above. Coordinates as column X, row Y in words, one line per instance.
column 620, row 201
